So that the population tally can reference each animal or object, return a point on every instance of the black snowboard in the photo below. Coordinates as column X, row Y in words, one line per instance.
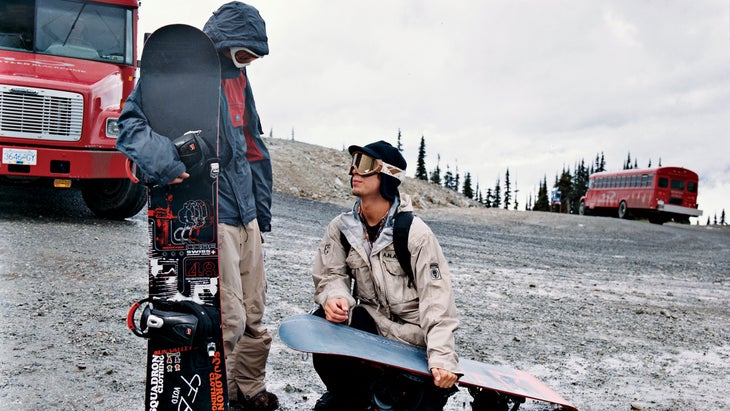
column 180, row 91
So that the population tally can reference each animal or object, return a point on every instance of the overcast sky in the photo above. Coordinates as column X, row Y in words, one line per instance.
column 533, row 86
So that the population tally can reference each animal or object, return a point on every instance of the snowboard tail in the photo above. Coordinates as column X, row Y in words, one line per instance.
column 312, row 334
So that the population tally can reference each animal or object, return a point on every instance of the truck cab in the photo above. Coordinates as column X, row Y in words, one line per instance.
column 66, row 68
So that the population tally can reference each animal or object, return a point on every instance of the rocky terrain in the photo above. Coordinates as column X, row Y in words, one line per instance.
column 612, row 314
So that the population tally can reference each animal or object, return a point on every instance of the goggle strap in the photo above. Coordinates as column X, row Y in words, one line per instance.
column 392, row 171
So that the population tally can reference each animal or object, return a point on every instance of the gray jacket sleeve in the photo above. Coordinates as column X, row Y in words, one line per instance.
column 153, row 153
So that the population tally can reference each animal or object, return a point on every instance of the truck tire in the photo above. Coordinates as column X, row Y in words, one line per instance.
column 114, row 199
column 623, row 210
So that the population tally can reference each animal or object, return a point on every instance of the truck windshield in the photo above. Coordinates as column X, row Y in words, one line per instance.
column 68, row 28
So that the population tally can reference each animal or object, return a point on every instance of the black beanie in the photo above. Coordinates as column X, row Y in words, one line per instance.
column 382, row 150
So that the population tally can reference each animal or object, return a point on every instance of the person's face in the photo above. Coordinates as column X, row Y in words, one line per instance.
column 368, row 182
column 363, row 186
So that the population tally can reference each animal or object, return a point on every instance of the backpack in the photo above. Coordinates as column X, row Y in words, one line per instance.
column 401, row 229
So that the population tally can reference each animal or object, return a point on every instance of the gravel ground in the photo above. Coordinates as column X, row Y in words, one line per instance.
column 612, row 314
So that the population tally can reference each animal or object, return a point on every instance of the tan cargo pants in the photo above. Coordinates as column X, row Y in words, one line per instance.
column 243, row 296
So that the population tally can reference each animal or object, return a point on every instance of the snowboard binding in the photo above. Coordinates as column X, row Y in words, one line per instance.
column 183, row 323
column 197, row 156
column 489, row 400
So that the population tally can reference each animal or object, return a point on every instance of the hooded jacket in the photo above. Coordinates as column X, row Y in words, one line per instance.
column 424, row 315
column 245, row 182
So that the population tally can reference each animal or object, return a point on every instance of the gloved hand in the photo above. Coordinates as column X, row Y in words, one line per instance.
column 193, row 151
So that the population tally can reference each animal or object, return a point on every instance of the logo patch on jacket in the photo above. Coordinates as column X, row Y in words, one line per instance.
column 435, row 272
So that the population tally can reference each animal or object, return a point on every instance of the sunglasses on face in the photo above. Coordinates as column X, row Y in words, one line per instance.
column 366, row 165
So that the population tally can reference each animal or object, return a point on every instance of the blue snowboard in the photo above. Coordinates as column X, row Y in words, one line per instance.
column 312, row 334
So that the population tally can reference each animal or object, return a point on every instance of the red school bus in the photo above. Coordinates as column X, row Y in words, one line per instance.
column 660, row 194
column 66, row 68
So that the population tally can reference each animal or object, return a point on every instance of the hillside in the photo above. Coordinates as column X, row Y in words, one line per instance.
column 320, row 173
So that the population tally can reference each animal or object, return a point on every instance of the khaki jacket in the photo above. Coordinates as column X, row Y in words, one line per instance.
column 424, row 315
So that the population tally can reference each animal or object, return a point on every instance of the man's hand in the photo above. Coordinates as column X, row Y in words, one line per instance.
column 337, row 310
column 443, row 378
column 179, row 179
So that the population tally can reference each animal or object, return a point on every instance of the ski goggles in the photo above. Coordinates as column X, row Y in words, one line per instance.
column 366, row 165
column 242, row 56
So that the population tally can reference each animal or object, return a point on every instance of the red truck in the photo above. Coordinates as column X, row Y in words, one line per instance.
column 66, row 68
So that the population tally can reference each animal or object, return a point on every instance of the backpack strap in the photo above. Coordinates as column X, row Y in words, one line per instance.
column 401, row 230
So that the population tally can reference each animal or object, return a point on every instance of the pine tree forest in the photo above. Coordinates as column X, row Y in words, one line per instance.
column 562, row 195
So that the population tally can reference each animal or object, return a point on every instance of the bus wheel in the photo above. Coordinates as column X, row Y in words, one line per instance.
column 623, row 210
column 582, row 208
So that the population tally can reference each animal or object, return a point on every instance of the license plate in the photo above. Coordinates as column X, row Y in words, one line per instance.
column 20, row 156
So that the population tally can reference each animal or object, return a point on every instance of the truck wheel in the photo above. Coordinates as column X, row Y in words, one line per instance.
column 115, row 199
column 623, row 210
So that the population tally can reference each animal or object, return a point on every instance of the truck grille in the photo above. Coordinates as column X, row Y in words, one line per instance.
column 40, row 114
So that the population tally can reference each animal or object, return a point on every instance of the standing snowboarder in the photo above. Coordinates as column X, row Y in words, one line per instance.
column 244, row 197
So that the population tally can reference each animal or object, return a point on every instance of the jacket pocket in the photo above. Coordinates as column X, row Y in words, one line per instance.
column 401, row 297
column 360, row 271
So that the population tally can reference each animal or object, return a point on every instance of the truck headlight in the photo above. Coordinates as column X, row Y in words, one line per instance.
column 112, row 128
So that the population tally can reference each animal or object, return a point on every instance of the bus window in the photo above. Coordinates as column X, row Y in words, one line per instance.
column 677, row 184
column 692, row 187
column 650, row 182
column 663, row 182
column 633, row 180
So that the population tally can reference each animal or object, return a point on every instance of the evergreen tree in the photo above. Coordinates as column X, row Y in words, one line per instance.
column 542, row 203
column 399, row 145
column 507, row 191
column 600, row 164
column 456, row 180
column 448, row 178
column 660, row 162
column 497, row 197
column 565, row 185
column 421, row 172
column 581, row 178
column 467, row 190
column 722, row 217
column 627, row 164
column 436, row 174
column 488, row 198
column 649, row 166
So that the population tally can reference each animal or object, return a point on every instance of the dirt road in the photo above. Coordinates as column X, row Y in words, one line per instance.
column 612, row 314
